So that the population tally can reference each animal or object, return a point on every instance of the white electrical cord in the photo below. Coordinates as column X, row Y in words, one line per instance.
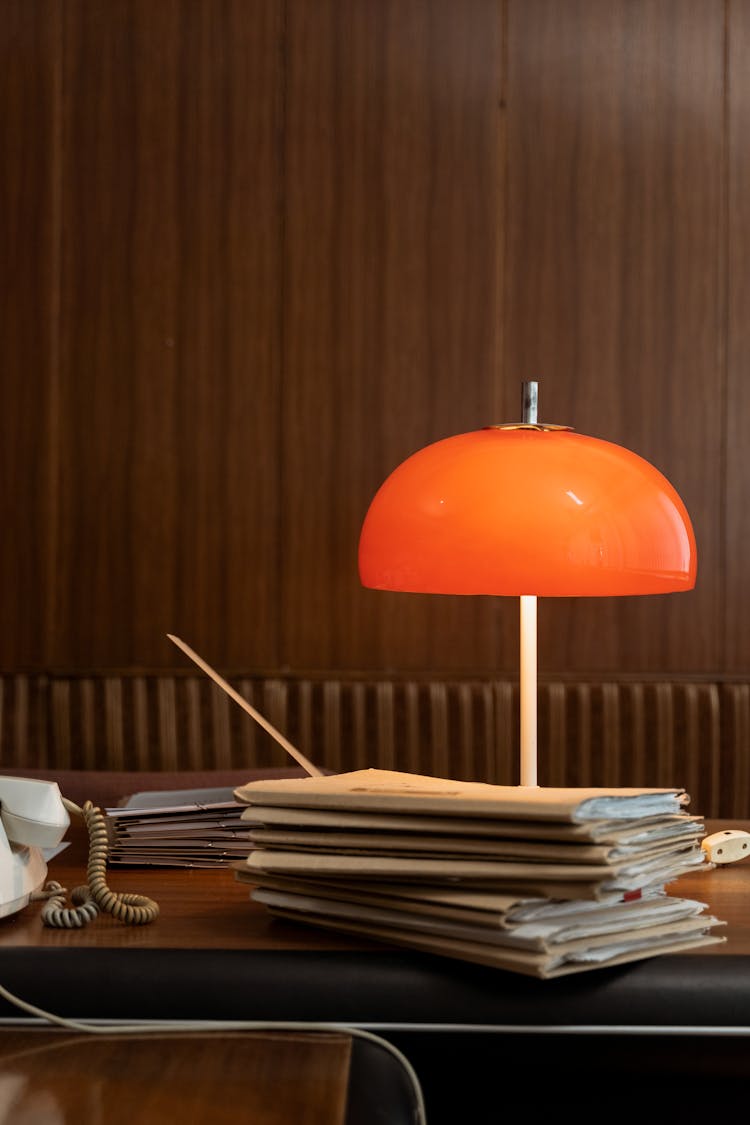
column 420, row 1117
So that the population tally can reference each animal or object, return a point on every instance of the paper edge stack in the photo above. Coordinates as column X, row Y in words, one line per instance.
column 198, row 828
column 541, row 881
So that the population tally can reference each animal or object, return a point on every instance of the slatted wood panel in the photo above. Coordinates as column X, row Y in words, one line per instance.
column 695, row 735
column 736, row 783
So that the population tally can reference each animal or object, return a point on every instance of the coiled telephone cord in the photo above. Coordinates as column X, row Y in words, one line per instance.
column 95, row 896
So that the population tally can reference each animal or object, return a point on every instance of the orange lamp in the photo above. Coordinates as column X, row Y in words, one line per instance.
column 527, row 509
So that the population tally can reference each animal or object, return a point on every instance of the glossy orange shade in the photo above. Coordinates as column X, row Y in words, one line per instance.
column 527, row 511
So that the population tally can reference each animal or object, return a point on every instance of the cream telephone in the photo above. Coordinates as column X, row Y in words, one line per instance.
column 34, row 817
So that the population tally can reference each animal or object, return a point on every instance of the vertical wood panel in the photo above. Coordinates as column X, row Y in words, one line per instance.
column 170, row 302
column 737, row 527
column 29, row 61
column 392, row 235
column 615, row 251
column 225, row 198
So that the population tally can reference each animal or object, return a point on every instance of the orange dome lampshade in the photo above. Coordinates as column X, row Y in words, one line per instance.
column 527, row 510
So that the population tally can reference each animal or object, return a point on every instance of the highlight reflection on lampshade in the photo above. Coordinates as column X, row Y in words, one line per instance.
column 527, row 510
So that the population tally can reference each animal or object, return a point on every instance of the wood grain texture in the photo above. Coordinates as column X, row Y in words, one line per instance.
column 392, row 231
column 615, row 244
column 737, row 403
column 168, row 491
column 29, row 153
column 256, row 254
column 205, row 910
column 199, row 909
column 206, row 1079
column 693, row 734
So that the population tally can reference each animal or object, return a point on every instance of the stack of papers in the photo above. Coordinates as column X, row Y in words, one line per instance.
column 177, row 828
column 538, row 880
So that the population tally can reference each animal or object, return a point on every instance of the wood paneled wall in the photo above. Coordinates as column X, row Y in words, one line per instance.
column 254, row 254
column 626, row 732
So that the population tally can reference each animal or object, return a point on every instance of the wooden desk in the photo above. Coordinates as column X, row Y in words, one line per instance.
column 684, row 1018
column 198, row 910
column 212, row 910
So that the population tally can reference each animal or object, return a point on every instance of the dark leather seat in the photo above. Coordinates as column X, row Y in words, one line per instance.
column 383, row 1087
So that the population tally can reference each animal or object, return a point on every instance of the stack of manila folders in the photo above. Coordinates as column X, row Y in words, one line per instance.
column 541, row 881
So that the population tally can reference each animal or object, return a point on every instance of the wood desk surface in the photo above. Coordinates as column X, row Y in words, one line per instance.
column 213, row 910
column 198, row 910
column 215, row 954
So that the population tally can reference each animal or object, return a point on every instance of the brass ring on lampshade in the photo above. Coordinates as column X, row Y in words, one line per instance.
column 526, row 426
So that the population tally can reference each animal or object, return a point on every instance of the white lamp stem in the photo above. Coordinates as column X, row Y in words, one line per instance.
column 528, row 690
column 529, row 409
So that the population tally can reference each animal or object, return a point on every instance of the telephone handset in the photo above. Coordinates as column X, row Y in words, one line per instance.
column 34, row 815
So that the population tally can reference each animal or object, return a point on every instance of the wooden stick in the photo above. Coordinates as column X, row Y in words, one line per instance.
column 295, row 753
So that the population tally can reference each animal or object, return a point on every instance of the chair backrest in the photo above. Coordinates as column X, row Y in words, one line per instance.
column 273, row 1077
column 384, row 1088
